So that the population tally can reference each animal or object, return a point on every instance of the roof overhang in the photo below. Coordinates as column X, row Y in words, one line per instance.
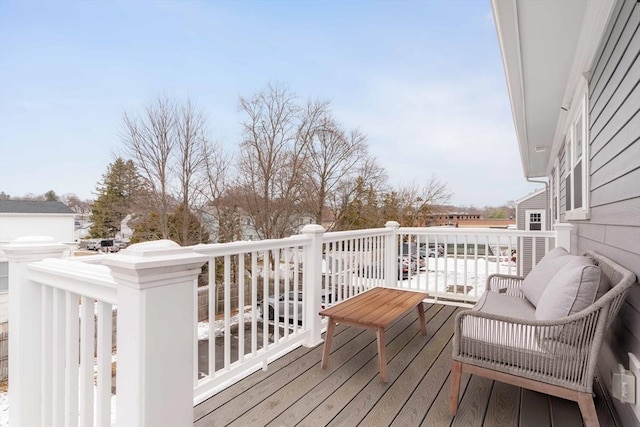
column 547, row 49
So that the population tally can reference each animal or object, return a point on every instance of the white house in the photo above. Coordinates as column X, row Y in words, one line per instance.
column 31, row 218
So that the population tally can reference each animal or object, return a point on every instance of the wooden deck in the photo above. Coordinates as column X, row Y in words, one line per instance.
column 295, row 391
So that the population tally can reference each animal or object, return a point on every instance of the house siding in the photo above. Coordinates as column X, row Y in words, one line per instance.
column 613, row 227
column 525, row 244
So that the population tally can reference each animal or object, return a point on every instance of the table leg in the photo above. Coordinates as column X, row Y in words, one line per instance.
column 423, row 320
column 382, row 356
column 327, row 343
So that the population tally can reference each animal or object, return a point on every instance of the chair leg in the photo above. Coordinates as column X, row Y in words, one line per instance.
column 588, row 410
column 456, row 375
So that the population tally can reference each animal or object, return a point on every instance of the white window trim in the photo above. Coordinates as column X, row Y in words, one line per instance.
column 578, row 109
column 543, row 219
column 554, row 193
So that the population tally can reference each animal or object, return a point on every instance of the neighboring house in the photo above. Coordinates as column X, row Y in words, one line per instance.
column 573, row 72
column 30, row 218
column 531, row 215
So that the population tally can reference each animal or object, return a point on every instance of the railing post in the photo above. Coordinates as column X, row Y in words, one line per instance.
column 391, row 255
column 25, row 324
column 312, row 284
column 563, row 235
column 156, row 318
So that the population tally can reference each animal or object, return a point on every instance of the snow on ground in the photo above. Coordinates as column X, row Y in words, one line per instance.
column 218, row 325
column 443, row 275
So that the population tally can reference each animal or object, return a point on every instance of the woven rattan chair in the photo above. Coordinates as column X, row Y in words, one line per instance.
column 554, row 357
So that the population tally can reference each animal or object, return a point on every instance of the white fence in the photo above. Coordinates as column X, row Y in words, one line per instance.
column 280, row 285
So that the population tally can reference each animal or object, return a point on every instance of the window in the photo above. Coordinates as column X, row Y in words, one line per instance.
column 4, row 277
column 576, row 162
column 535, row 220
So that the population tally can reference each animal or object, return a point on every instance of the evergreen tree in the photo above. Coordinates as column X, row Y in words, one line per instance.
column 118, row 193
column 148, row 228
column 51, row 196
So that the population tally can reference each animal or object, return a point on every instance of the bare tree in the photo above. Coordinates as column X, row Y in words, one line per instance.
column 367, row 184
column 332, row 162
column 271, row 160
column 169, row 146
column 191, row 143
column 417, row 201
column 149, row 140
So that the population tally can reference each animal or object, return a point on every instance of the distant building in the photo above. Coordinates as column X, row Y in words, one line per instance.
column 467, row 220
column 531, row 215
column 19, row 218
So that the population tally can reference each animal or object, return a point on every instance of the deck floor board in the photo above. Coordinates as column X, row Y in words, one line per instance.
column 294, row 391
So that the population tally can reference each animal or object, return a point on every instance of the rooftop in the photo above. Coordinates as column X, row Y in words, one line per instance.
column 34, row 206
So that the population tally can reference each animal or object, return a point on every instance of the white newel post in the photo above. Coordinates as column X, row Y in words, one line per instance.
column 312, row 284
column 25, row 323
column 156, row 318
column 563, row 235
column 391, row 255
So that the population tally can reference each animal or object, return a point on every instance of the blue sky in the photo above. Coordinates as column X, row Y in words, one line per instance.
column 423, row 79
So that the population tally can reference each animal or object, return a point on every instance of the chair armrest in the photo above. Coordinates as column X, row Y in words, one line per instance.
column 505, row 284
column 524, row 335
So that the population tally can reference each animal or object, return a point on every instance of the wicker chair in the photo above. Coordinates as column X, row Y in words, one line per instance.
column 555, row 357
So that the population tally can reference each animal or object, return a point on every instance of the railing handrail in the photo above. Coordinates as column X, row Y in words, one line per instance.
column 335, row 236
column 89, row 280
column 245, row 246
column 451, row 231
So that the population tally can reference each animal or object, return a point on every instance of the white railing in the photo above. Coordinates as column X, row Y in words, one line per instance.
column 263, row 301
column 259, row 286
column 54, row 304
column 452, row 264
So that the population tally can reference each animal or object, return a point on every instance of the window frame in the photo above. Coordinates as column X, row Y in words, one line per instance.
column 528, row 222
column 577, row 159
column 554, row 192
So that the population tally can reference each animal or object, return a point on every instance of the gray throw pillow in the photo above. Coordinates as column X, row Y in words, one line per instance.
column 536, row 281
column 571, row 290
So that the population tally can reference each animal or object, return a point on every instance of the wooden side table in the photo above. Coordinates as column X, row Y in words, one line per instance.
column 374, row 309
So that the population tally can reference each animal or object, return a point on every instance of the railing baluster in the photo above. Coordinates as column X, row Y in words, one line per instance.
column 276, row 294
column 254, row 303
column 105, row 323
column 287, row 299
column 295, row 284
column 241, row 291
column 266, row 309
column 455, row 264
column 59, row 359
column 71, row 360
column 47, row 353
column 87, row 360
column 227, row 311
column 213, row 301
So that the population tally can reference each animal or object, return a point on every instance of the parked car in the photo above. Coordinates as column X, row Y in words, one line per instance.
column 431, row 251
column 93, row 245
column 406, row 267
column 411, row 249
column 271, row 304
column 104, row 245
